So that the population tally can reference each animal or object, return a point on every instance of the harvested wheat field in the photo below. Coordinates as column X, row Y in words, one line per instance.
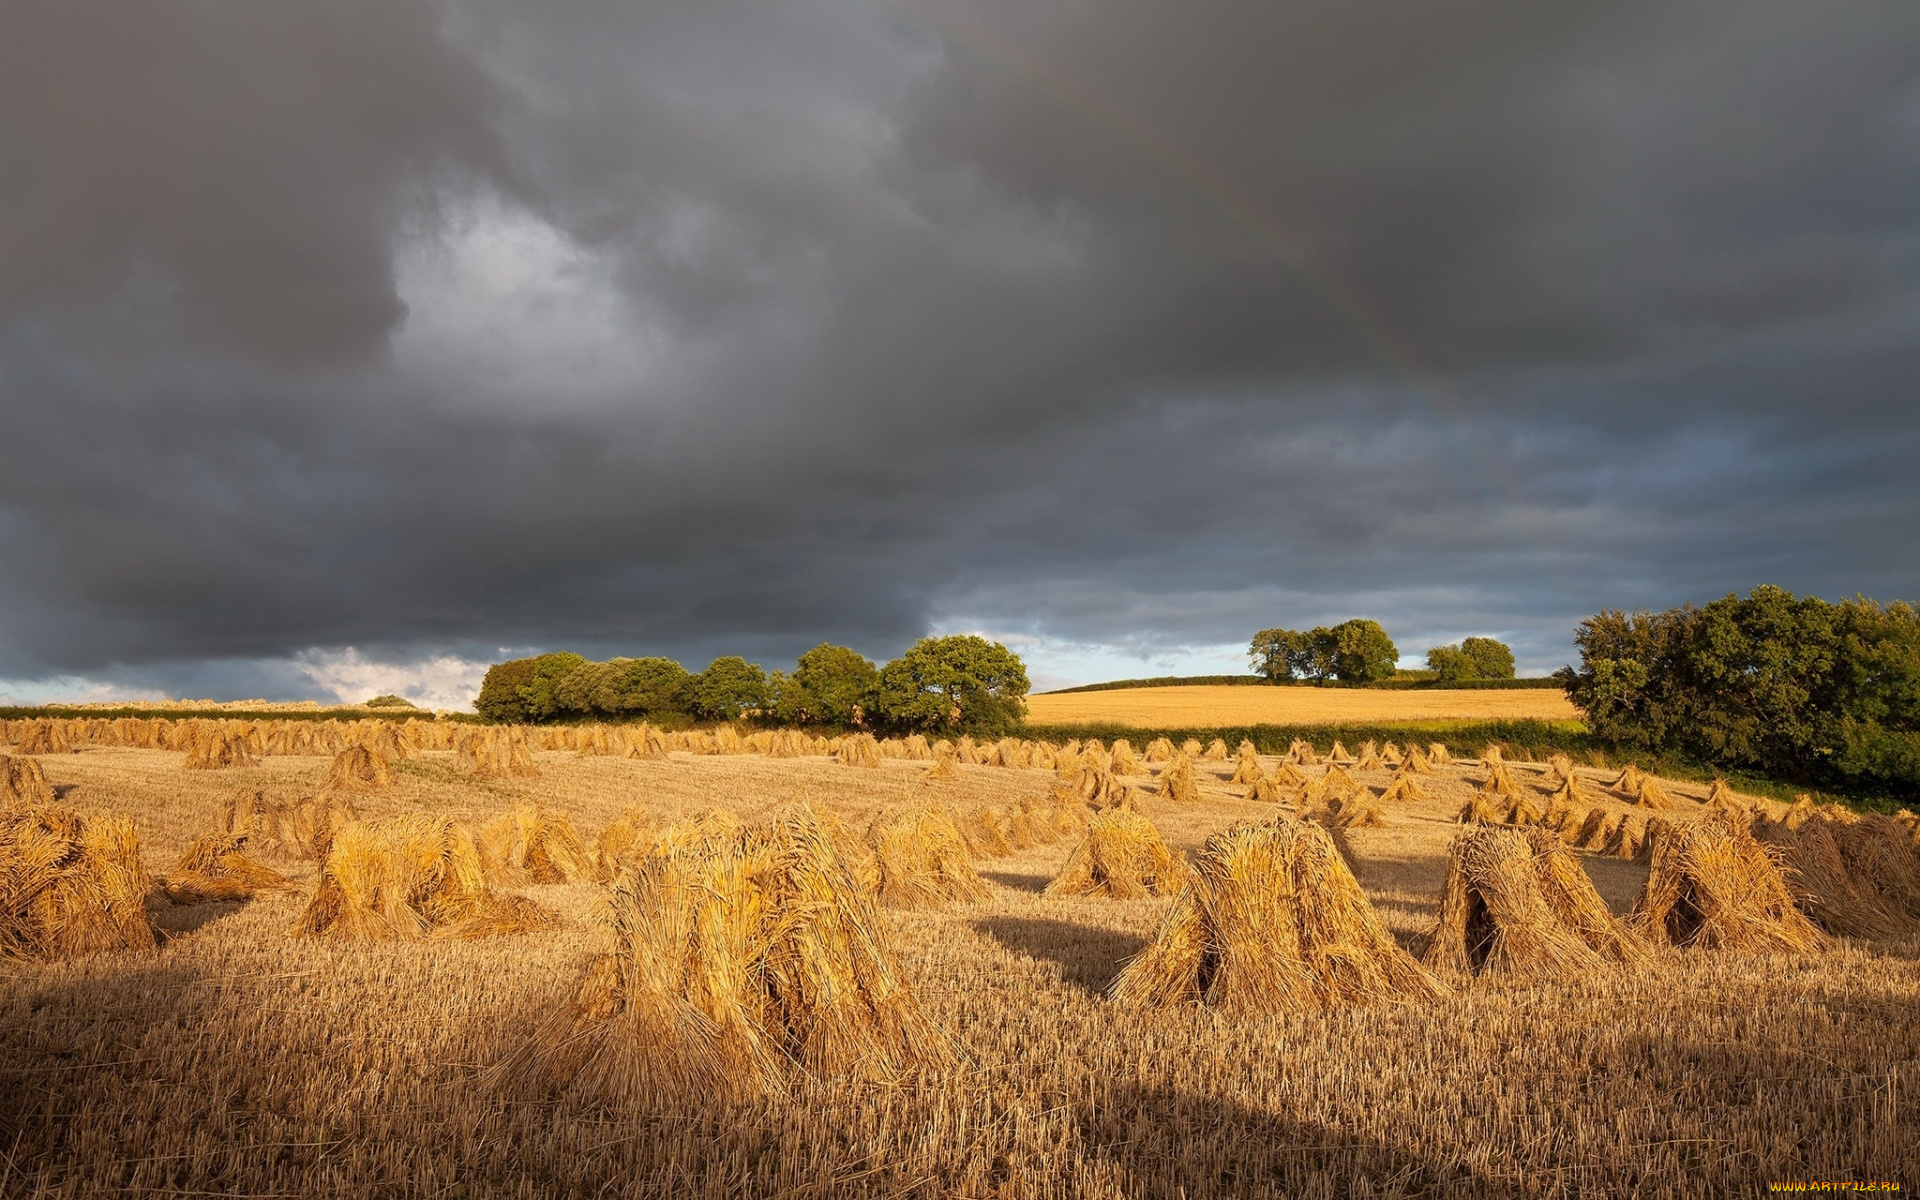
column 827, row 1043
column 1226, row 706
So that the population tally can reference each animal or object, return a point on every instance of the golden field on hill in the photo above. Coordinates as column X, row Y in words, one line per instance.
column 236, row 1060
column 1228, row 706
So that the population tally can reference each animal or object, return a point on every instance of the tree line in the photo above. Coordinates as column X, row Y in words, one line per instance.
column 1793, row 687
column 1359, row 651
column 958, row 684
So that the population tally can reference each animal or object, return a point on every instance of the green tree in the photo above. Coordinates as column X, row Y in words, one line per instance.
column 1491, row 659
column 1362, row 651
column 655, row 688
column 830, row 685
column 521, row 689
column 1449, row 664
column 1793, row 686
column 1278, row 654
column 1356, row 650
column 728, row 687
column 961, row 683
column 541, row 691
column 1318, row 656
column 575, row 691
column 1474, row 658
column 499, row 700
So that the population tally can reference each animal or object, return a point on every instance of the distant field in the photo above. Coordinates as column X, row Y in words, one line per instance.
column 1222, row 706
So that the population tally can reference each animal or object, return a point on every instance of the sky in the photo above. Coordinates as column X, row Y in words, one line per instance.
column 350, row 345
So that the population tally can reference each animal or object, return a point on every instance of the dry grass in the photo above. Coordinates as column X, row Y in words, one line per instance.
column 217, row 868
column 495, row 753
column 1205, row 707
column 534, row 845
column 43, row 737
column 1179, row 781
column 216, row 748
column 360, row 1065
column 291, row 829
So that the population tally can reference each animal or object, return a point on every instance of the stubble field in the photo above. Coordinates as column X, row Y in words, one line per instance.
column 1225, row 707
column 237, row 1060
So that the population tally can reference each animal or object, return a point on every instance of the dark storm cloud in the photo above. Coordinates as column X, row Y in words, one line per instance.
column 704, row 326
column 224, row 176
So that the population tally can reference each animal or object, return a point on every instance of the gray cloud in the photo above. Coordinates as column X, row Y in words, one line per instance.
column 695, row 327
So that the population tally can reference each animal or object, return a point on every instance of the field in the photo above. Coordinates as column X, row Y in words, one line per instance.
column 237, row 1060
column 1231, row 707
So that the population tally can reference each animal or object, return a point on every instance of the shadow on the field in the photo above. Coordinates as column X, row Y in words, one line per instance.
column 1018, row 882
column 178, row 920
column 1088, row 957
column 1161, row 1141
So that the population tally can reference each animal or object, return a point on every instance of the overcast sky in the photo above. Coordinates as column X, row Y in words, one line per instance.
column 348, row 345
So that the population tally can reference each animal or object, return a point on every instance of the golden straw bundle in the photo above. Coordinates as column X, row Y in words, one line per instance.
column 1123, row 857
column 495, row 752
column 409, row 878
column 70, row 884
column 1713, row 886
column 1272, row 921
column 23, row 782
column 1179, row 781
column 740, row 958
column 216, row 867
column 920, row 860
column 359, row 769
column 1517, row 903
column 529, row 845
column 300, row 830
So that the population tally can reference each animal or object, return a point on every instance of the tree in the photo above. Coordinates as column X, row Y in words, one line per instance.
column 830, row 685
column 541, row 691
column 1278, row 654
column 655, row 688
column 961, row 684
column 728, row 687
column 1357, row 650
column 389, row 700
column 1361, row 651
column 574, row 693
column 1793, row 686
column 1449, row 664
column 1474, row 658
column 522, row 689
column 1491, row 659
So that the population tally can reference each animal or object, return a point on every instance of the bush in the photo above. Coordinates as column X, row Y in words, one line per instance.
column 1792, row 687
column 389, row 701
column 962, row 684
